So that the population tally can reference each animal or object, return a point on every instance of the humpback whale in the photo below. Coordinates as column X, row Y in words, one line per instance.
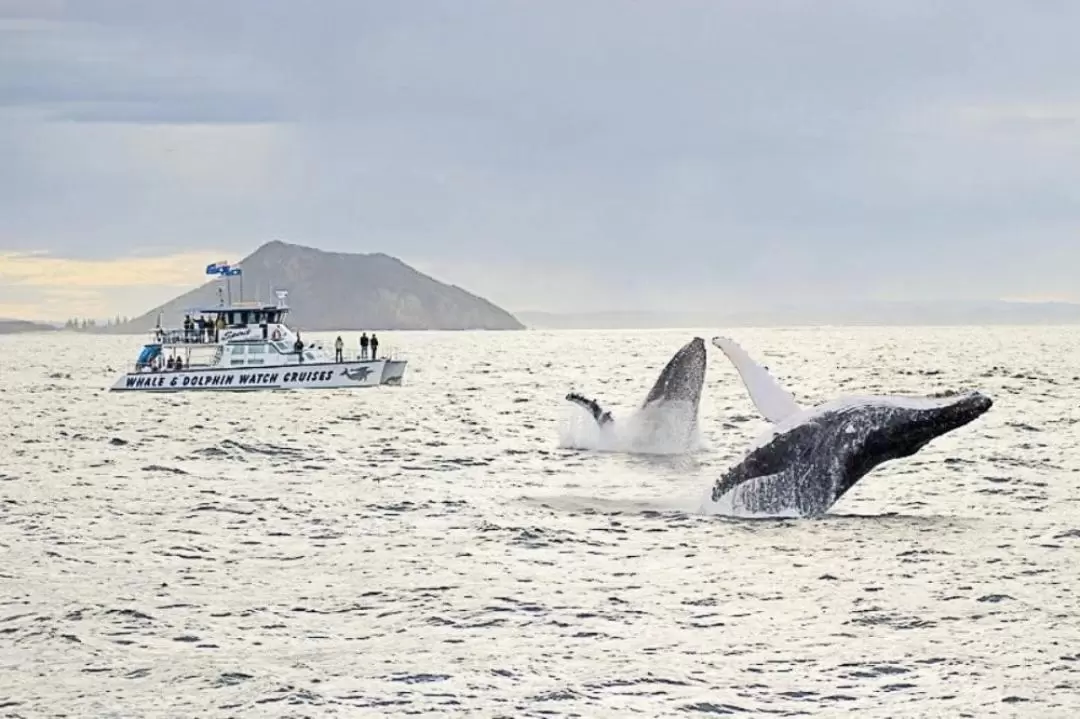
column 809, row 457
column 673, row 400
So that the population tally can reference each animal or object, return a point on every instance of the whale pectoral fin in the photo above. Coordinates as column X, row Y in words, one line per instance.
column 773, row 401
column 593, row 407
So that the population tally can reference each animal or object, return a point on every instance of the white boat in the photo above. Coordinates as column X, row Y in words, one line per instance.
column 247, row 346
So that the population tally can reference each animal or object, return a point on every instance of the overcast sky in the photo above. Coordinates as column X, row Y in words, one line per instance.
column 549, row 154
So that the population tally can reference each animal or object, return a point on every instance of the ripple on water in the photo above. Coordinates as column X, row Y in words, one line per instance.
column 431, row 550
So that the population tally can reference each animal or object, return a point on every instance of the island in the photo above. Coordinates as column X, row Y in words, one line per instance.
column 337, row 291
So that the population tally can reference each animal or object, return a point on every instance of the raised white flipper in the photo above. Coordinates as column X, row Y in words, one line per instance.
column 773, row 401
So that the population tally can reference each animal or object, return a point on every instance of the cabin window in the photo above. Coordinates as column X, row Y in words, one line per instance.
column 255, row 360
column 256, row 350
column 237, row 349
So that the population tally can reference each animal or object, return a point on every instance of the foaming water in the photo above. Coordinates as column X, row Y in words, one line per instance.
column 669, row 427
column 431, row 550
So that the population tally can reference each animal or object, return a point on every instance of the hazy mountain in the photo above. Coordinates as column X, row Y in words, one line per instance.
column 340, row 291
column 855, row 313
column 14, row 327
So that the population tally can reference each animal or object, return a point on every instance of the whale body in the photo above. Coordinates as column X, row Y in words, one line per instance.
column 805, row 462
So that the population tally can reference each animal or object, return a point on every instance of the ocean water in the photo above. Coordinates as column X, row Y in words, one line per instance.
column 432, row 550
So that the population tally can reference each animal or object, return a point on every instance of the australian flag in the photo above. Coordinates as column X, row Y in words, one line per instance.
column 223, row 269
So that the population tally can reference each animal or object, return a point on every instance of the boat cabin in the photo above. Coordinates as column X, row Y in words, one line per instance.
column 228, row 323
column 243, row 334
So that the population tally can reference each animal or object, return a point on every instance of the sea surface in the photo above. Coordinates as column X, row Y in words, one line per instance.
column 433, row 550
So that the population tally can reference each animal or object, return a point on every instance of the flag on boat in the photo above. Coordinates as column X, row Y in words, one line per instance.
column 217, row 268
column 232, row 271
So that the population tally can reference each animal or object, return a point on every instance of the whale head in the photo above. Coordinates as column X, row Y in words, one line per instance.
column 888, row 428
column 682, row 377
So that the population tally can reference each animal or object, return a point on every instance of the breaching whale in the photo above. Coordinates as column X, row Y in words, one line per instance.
column 672, row 403
column 810, row 457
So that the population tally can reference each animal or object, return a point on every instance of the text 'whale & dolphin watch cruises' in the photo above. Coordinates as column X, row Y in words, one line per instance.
column 246, row 346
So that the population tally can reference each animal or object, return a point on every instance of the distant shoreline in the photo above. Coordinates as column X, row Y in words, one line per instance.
column 990, row 313
column 23, row 327
column 688, row 328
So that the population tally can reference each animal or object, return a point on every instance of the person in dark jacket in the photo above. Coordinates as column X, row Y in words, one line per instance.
column 363, row 346
column 374, row 346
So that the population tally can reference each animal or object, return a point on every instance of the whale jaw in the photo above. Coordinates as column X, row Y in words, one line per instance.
column 808, row 467
column 901, row 431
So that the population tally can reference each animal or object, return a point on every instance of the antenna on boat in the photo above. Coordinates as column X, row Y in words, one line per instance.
column 281, row 295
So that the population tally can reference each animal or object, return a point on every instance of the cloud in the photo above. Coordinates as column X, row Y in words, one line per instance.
column 43, row 287
column 683, row 152
column 42, row 270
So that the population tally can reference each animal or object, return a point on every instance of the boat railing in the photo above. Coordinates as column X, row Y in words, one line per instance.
column 388, row 353
column 392, row 353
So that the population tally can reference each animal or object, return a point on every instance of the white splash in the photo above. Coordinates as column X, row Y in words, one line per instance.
column 665, row 427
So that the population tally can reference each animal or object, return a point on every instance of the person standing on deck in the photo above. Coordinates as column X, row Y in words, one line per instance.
column 299, row 347
column 187, row 328
column 363, row 346
column 374, row 346
column 339, row 350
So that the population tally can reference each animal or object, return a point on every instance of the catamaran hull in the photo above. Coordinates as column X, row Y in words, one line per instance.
column 336, row 375
column 393, row 372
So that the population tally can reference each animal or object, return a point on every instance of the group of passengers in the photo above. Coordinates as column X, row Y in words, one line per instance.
column 202, row 329
column 159, row 363
column 365, row 345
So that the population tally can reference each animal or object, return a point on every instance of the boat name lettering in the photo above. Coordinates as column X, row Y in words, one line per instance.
column 324, row 376
column 225, row 379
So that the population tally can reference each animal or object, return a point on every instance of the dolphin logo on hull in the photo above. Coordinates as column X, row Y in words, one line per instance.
column 810, row 457
column 672, row 403
column 358, row 374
